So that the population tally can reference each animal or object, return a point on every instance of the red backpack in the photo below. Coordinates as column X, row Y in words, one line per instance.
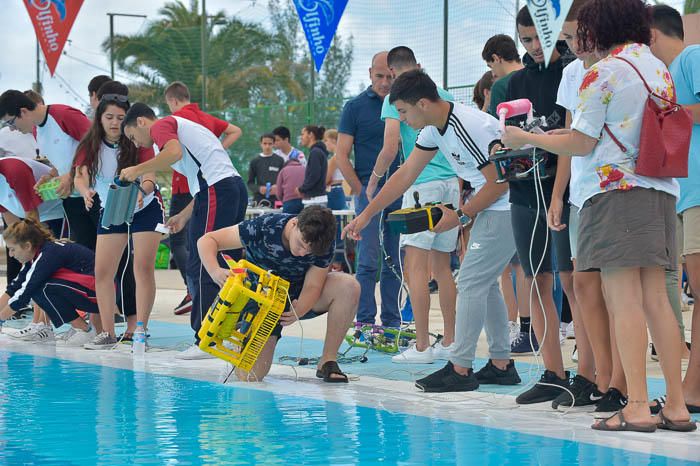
column 664, row 141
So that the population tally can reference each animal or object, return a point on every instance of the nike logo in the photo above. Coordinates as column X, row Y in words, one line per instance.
column 595, row 398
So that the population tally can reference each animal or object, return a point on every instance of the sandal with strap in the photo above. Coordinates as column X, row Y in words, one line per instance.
column 623, row 425
column 329, row 369
column 660, row 402
column 676, row 426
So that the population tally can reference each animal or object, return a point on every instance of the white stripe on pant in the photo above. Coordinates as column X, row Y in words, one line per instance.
column 479, row 299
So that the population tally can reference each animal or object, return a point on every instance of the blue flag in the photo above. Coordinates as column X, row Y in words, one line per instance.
column 320, row 19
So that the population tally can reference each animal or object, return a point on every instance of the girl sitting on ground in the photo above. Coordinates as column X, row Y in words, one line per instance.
column 57, row 276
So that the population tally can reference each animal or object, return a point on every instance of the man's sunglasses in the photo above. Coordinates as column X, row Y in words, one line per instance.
column 115, row 98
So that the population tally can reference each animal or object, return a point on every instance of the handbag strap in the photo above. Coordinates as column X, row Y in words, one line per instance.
column 651, row 91
column 615, row 140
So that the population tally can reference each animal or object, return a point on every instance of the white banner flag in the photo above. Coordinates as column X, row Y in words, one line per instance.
column 548, row 16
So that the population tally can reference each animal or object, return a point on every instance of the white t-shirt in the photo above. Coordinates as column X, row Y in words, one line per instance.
column 567, row 97
column 294, row 153
column 465, row 143
column 107, row 170
column 17, row 144
column 202, row 152
column 612, row 93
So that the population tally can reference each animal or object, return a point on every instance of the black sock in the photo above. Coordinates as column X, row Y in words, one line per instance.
column 525, row 324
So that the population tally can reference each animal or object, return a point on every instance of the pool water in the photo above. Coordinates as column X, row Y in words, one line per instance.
column 58, row 412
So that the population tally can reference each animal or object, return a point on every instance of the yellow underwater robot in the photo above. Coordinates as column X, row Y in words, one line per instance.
column 243, row 315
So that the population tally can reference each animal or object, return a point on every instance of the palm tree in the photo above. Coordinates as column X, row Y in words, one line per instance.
column 691, row 6
column 238, row 55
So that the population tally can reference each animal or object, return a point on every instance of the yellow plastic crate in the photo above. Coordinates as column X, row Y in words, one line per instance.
column 245, row 332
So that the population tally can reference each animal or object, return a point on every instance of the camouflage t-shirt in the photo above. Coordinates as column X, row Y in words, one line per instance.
column 262, row 239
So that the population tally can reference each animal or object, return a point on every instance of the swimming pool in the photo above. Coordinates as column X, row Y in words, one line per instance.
column 60, row 412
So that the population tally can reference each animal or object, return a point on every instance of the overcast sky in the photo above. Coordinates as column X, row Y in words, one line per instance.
column 373, row 24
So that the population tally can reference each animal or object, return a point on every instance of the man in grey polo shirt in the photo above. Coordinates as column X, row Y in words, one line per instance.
column 362, row 130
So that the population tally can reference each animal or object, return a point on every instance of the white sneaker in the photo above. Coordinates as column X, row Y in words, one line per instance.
column 43, row 334
column 63, row 336
column 687, row 300
column 28, row 330
column 514, row 331
column 412, row 355
column 77, row 339
column 193, row 353
column 570, row 333
column 443, row 352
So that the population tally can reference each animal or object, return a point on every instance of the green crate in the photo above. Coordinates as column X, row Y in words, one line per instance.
column 47, row 191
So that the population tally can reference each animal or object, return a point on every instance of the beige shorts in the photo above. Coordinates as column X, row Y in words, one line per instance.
column 444, row 191
column 688, row 231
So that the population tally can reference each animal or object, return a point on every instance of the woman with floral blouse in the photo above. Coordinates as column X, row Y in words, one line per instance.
column 627, row 221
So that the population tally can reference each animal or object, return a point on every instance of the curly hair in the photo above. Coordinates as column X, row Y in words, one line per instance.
column 602, row 24
column 318, row 227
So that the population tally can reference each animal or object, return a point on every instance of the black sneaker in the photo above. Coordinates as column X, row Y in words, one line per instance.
column 433, row 286
column 585, row 393
column 447, row 380
column 540, row 393
column 654, row 356
column 492, row 375
column 522, row 344
column 612, row 401
column 23, row 313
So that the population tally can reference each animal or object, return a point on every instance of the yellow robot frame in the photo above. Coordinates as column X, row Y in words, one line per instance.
column 221, row 323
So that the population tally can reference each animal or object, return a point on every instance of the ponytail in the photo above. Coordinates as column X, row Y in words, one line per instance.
column 317, row 131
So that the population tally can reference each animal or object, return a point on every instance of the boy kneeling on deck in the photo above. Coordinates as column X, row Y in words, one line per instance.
column 299, row 249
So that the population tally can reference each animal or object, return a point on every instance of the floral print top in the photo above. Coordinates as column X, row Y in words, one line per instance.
column 612, row 93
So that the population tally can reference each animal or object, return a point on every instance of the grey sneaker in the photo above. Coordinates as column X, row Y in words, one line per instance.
column 103, row 341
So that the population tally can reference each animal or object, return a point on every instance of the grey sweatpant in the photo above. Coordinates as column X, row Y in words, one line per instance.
column 479, row 299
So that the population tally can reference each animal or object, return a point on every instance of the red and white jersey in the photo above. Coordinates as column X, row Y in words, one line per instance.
column 202, row 153
column 59, row 134
column 17, row 179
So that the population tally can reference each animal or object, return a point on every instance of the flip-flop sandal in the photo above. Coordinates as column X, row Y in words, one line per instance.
column 329, row 369
column 623, row 425
column 676, row 426
column 660, row 402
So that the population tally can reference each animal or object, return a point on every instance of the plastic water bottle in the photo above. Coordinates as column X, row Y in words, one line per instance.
column 138, row 346
column 268, row 185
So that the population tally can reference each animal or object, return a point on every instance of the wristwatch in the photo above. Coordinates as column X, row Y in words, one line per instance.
column 464, row 219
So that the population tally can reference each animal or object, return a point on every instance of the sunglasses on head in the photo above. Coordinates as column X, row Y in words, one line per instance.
column 115, row 98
